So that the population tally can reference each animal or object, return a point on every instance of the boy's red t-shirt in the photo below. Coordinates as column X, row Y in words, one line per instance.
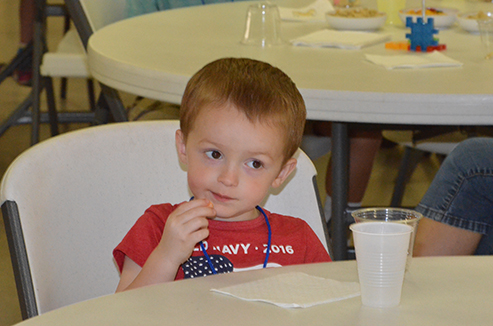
column 232, row 246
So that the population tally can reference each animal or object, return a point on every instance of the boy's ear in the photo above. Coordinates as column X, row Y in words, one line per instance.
column 286, row 170
column 180, row 146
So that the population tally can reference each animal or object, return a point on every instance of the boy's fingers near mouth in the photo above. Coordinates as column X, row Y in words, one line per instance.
column 196, row 208
column 193, row 204
column 209, row 205
column 206, row 209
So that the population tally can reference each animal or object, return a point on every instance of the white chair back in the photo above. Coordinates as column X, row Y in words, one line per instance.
column 78, row 194
column 70, row 58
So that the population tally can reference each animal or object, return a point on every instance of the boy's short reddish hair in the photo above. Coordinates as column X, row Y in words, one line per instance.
column 262, row 92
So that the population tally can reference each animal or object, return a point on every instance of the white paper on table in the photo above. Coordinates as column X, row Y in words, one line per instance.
column 314, row 12
column 414, row 60
column 340, row 39
column 293, row 290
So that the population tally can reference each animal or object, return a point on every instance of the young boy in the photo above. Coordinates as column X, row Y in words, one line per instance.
column 241, row 122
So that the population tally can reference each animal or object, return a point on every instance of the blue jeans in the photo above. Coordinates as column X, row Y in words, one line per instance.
column 461, row 195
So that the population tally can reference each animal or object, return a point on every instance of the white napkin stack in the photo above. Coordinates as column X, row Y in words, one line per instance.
column 293, row 290
column 314, row 12
column 415, row 60
column 340, row 39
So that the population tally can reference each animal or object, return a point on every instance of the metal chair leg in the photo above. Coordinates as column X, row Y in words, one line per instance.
column 91, row 94
column 52, row 112
column 24, row 54
column 63, row 88
column 113, row 103
column 38, row 50
column 17, row 115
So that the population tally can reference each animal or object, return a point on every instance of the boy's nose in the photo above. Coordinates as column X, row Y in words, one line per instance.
column 228, row 176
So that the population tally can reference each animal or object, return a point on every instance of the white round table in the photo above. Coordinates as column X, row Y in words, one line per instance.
column 154, row 55
column 437, row 291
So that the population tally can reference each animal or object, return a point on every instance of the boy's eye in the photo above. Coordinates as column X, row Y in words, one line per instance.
column 255, row 164
column 215, row 155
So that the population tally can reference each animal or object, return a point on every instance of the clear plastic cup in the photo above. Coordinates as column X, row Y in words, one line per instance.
column 263, row 26
column 398, row 215
column 381, row 252
column 485, row 27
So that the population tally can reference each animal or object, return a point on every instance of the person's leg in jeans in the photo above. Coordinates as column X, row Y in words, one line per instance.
column 458, row 206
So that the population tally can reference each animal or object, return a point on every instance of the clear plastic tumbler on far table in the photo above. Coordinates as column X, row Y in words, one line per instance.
column 390, row 214
column 263, row 25
column 381, row 251
column 486, row 32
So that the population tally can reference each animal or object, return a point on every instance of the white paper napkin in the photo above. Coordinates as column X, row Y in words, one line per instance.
column 314, row 12
column 293, row 290
column 415, row 60
column 340, row 39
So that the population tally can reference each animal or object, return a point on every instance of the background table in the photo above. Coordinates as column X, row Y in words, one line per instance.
column 437, row 291
column 154, row 56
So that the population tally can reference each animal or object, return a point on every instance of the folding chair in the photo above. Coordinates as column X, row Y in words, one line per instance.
column 68, row 61
column 22, row 115
column 436, row 140
column 68, row 201
column 89, row 16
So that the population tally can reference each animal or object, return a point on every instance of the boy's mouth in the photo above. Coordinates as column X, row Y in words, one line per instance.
column 221, row 198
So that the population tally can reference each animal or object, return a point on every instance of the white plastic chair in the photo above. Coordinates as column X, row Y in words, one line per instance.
column 70, row 59
column 442, row 144
column 68, row 201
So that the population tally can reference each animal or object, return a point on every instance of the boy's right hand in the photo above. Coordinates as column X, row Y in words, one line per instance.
column 185, row 227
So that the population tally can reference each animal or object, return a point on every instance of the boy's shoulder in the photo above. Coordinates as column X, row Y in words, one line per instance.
column 285, row 220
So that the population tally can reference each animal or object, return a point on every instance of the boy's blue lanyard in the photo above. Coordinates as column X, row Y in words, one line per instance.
column 267, row 252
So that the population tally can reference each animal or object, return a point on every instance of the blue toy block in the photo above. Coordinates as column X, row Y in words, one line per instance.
column 421, row 36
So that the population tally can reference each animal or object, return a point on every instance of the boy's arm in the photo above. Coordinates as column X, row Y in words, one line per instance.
column 184, row 228
column 154, row 271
